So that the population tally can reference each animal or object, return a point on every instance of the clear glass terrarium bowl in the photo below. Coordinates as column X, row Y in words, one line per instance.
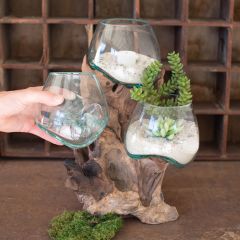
column 83, row 115
column 122, row 48
column 170, row 133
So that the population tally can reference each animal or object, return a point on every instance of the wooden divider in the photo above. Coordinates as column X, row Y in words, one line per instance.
column 52, row 35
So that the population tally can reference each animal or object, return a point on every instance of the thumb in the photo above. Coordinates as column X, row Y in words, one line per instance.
column 37, row 96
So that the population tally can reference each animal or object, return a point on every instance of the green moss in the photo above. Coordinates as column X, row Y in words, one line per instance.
column 84, row 226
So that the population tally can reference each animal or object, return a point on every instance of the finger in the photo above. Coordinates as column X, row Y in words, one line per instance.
column 37, row 88
column 16, row 123
column 30, row 95
column 38, row 132
column 58, row 91
column 62, row 91
column 24, row 124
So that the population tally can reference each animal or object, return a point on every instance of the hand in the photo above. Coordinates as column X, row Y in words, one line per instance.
column 18, row 110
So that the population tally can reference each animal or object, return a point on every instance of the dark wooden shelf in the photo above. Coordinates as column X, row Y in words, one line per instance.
column 233, row 138
column 234, row 150
column 207, row 45
column 60, row 151
column 65, row 64
column 23, row 78
column 21, row 144
column 15, row 20
column 29, row 145
column 72, row 48
column 165, row 22
column 115, row 9
column 21, row 9
column 167, row 36
column 236, row 47
column 208, row 108
column 236, row 67
column 50, row 35
column 235, row 93
column 209, row 10
column 156, row 9
column 152, row 21
column 236, row 16
column 234, row 107
column 207, row 23
column 72, row 8
column 208, row 150
column 80, row 21
column 206, row 66
column 15, row 64
column 236, row 24
column 20, row 151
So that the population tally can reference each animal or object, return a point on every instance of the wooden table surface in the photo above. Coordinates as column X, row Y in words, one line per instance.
column 206, row 194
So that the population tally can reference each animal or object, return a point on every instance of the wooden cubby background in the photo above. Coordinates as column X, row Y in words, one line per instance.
column 39, row 36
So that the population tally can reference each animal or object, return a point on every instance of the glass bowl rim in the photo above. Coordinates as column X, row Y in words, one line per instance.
column 189, row 105
column 140, row 21
column 72, row 73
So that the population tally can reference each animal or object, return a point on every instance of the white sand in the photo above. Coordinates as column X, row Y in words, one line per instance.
column 182, row 148
column 124, row 66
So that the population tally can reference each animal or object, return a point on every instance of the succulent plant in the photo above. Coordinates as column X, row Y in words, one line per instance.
column 176, row 91
column 166, row 127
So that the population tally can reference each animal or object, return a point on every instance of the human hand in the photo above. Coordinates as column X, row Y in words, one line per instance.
column 18, row 110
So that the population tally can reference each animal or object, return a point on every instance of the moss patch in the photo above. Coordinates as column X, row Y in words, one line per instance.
column 84, row 226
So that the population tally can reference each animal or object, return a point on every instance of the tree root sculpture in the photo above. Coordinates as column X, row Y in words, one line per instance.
column 105, row 179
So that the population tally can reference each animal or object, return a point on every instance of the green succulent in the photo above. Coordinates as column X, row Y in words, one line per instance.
column 166, row 127
column 175, row 91
column 81, row 225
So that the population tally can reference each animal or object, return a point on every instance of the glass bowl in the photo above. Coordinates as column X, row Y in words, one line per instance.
column 83, row 115
column 122, row 48
column 170, row 133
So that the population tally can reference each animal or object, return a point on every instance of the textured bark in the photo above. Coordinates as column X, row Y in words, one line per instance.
column 105, row 179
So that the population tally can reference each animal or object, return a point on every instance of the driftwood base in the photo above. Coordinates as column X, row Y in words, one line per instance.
column 106, row 180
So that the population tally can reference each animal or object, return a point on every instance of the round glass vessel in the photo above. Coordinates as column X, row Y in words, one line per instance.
column 170, row 133
column 122, row 48
column 83, row 115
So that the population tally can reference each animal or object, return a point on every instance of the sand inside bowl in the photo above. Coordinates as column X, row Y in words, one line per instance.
column 123, row 66
column 181, row 148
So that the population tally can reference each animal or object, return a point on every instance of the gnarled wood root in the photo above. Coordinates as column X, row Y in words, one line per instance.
column 106, row 180
column 123, row 185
